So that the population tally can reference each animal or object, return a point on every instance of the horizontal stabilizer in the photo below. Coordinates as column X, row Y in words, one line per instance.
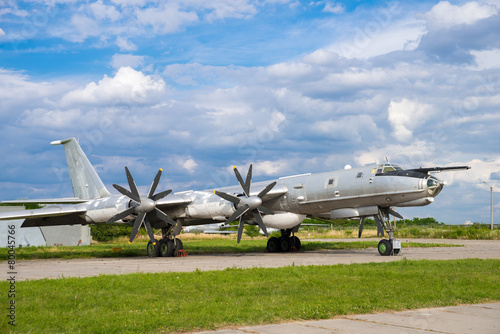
column 50, row 211
column 70, row 200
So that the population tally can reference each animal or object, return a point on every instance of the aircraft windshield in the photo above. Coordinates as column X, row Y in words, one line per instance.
column 382, row 169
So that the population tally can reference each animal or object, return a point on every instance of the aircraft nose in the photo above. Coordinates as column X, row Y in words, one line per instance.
column 434, row 186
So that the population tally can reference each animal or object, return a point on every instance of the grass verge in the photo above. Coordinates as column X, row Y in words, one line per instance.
column 182, row 302
column 191, row 245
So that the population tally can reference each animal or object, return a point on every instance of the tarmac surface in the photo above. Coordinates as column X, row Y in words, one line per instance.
column 480, row 318
column 57, row 268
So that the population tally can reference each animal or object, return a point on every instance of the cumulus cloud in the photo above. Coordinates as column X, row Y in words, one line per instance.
column 444, row 15
column 127, row 86
column 406, row 116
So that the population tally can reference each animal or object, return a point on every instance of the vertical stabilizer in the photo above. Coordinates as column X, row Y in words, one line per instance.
column 86, row 183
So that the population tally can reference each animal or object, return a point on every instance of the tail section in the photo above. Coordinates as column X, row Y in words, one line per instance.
column 86, row 183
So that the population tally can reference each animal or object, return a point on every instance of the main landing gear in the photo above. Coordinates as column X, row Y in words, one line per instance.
column 286, row 243
column 389, row 246
column 168, row 246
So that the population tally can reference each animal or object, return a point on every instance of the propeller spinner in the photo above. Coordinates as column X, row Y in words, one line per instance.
column 142, row 207
column 247, row 203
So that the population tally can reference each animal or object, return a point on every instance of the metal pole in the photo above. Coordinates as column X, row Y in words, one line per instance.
column 491, row 205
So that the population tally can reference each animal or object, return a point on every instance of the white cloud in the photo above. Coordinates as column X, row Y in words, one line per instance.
column 125, row 45
column 121, row 60
column 406, row 116
column 167, row 19
column 83, row 27
column 270, row 168
column 190, row 165
column 2, row 33
column 102, row 11
column 335, row 8
column 446, row 15
column 54, row 119
column 486, row 59
column 127, row 86
column 228, row 8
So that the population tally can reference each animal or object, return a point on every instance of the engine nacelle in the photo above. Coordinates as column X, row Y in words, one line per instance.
column 283, row 220
column 209, row 206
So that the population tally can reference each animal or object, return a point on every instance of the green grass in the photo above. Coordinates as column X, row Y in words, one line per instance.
column 182, row 302
column 192, row 246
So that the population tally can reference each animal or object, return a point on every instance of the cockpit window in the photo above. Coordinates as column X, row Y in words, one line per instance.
column 382, row 169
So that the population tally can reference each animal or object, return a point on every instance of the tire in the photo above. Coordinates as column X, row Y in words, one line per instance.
column 178, row 246
column 153, row 250
column 385, row 247
column 284, row 244
column 295, row 241
column 273, row 245
column 166, row 248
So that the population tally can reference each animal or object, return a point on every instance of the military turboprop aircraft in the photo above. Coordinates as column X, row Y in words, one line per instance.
column 370, row 191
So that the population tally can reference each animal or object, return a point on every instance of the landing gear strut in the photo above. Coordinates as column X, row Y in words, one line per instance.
column 389, row 246
column 286, row 243
column 169, row 245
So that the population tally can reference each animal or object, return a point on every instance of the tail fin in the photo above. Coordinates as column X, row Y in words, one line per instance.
column 86, row 183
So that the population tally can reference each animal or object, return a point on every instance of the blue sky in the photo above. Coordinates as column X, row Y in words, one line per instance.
column 196, row 87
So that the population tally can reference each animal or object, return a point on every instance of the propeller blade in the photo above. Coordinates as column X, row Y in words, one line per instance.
column 240, row 229
column 248, row 181
column 265, row 210
column 121, row 215
column 137, row 225
column 361, row 226
column 162, row 216
column 149, row 229
column 131, row 183
column 159, row 196
column 227, row 197
column 266, row 189
column 240, row 211
column 155, row 183
column 258, row 218
column 127, row 193
column 240, row 180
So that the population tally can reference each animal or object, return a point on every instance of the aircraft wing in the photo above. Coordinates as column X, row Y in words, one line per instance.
column 69, row 200
column 49, row 216
column 438, row 169
column 276, row 191
column 177, row 199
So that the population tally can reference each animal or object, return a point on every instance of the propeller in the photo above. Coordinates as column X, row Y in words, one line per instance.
column 143, row 207
column 247, row 203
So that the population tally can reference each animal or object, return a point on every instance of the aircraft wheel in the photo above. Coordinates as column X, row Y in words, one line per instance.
column 295, row 241
column 153, row 250
column 284, row 243
column 178, row 246
column 273, row 245
column 385, row 247
column 166, row 248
